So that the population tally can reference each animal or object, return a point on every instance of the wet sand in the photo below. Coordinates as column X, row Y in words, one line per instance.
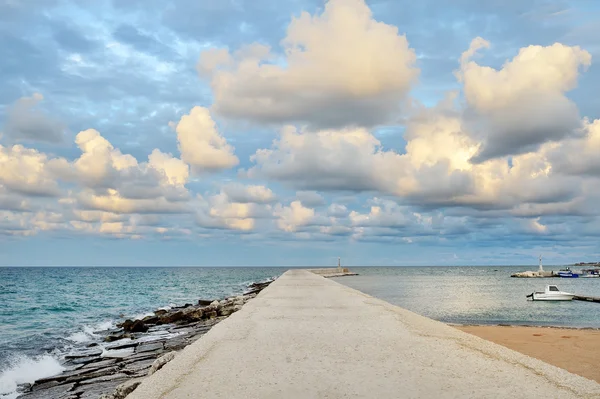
column 575, row 350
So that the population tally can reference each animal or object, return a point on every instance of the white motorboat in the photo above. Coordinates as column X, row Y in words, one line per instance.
column 551, row 293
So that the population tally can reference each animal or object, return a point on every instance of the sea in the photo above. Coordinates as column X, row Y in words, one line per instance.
column 46, row 312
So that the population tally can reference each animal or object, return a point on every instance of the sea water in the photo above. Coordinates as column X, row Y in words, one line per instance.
column 479, row 295
column 45, row 312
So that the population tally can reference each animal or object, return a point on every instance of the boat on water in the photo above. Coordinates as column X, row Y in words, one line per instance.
column 567, row 273
column 589, row 275
column 551, row 293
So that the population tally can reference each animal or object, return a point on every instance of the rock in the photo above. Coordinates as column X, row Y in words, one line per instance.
column 161, row 361
column 171, row 317
column 116, row 337
column 92, row 345
column 149, row 347
column 97, row 373
column 103, row 363
column 204, row 302
column 126, row 324
column 137, row 326
column 214, row 304
column 103, row 378
column 160, row 312
column 93, row 352
column 210, row 315
column 123, row 345
column 150, row 319
column 237, row 307
column 57, row 392
column 94, row 391
column 225, row 311
column 122, row 390
column 25, row 387
column 192, row 315
column 138, row 368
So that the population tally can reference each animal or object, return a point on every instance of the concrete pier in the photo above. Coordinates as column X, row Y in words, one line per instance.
column 309, row 337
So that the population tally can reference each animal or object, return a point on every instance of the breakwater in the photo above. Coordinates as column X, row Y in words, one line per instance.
column 307, row 336
column 135, row 349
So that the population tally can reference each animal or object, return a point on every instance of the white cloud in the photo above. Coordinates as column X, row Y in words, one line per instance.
column 290, row 218
column 522, row 105
column 200, row 143
column 237, row 192
column 310, row 198
column 341, row 68
column 25, row 171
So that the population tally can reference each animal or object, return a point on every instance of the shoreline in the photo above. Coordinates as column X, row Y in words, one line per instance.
column 569, row 348
column 121, row 357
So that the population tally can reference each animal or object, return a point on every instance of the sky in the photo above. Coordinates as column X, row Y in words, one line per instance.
column 268, row 133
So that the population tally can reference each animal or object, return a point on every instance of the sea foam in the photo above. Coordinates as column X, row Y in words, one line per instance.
column 22, row 369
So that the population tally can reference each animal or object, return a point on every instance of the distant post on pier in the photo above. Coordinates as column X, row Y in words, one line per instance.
column 541, row 268
column 339, row 263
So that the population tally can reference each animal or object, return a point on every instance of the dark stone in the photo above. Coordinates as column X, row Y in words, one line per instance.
column 137, row 326
column 149, row 347
column 103, row 378
column 83, row 360
column 204, row 302
column 92, row 345
column 94, row 391
column 116, row 337
column 124, row 345
column 96, row 373
column 57, row 392
column 171, row 317
column 103, row 363
column 126, row 324
column 138, row 368
column 150, row 319
column 25, row 387
column 160, row 312
column 92, row 352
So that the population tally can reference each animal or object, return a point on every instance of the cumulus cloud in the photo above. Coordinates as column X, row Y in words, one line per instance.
column 294, row 216
column 238, row 192
column 26, row 171
column 523, row 104
column 25, row 121
column 349, row 159
column 222, row 212
column 200, row 143
column 341, row 68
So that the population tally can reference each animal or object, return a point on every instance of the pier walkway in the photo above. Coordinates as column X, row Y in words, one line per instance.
column 309, row 337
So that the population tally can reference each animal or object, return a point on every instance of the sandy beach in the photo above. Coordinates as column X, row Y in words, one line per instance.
column 575, row 350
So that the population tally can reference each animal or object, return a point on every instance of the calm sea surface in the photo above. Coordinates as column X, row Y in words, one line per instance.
column 479, row 295
column 45, row 312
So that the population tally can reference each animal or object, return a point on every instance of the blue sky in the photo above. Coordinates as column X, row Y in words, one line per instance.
column 290, row 133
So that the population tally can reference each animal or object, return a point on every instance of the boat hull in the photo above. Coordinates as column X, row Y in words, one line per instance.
column 568, row 275
column 542, row 296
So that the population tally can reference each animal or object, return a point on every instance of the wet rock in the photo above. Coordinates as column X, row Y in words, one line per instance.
column 160, row 312
column 123, row 345
column 56, row 392
column 149, row 347
column 25, row 387
column 204, row 302
column 92, row 352
column 92, row 345
column 103, row 363
column 138, row 326
column 93, row 374
column 150, row 319
column 104, row 378
column 171, row 317
column 161, row 361
column 126, row 324
column 116, row 337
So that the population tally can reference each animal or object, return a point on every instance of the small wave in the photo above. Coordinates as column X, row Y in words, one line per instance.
column 88, row 332
column 22, row 369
